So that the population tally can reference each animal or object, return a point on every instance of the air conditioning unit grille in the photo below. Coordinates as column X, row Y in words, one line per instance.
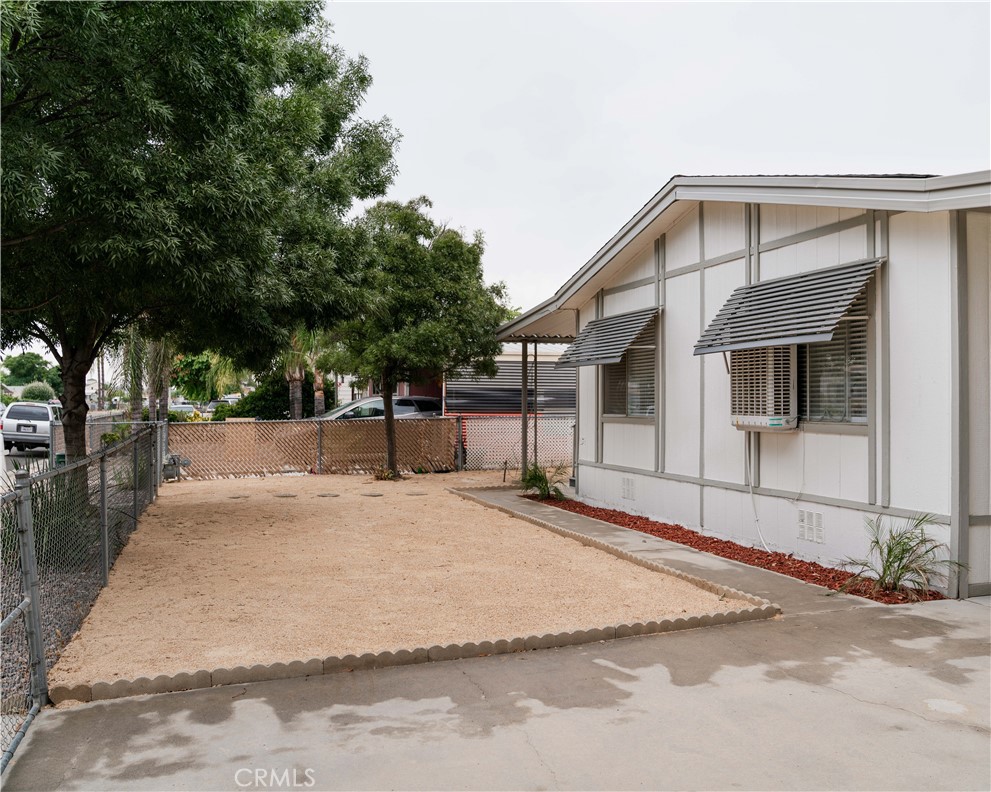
column 763, row 388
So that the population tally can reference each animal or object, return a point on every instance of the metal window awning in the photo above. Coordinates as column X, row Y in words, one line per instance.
column 605, row 340
column 798, row 309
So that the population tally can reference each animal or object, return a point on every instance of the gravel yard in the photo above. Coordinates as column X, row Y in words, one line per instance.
column 244, row 571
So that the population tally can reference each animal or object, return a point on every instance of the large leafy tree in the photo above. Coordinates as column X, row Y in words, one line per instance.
column 432, row 313
column 31, row 367
column 186, row 166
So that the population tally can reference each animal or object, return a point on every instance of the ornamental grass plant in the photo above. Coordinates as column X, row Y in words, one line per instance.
column 902, row 558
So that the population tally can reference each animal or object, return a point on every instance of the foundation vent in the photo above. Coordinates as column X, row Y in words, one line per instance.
column 627, row 488
column 810, row 526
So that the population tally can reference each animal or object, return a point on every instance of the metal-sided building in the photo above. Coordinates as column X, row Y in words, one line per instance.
column 771, row 359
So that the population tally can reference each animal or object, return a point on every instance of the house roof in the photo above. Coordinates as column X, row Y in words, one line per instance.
column 549, row 321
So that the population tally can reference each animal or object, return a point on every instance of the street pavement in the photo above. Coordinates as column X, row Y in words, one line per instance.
column 837, row 693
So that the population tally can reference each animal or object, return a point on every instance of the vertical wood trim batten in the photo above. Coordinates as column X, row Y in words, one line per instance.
column 755, row 278
column 658, row 383
column 884, row 281
column 662, row 438
column 959, row 407
column 598, row 390
column 872, row 394
column 701, row 364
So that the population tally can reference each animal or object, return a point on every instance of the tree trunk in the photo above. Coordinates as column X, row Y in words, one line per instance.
column 163, row 400
column 152, row 398
column 295, row 397
column 75, row 369
column 388, row 388
column 319, row 406
column 133, row 363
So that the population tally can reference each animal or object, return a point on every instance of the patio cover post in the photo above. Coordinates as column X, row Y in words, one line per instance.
column 536, row 399
column 523, row 415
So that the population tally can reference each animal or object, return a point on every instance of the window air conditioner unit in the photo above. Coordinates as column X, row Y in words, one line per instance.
column 764, row 388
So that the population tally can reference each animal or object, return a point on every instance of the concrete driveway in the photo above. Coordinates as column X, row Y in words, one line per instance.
column 838, row 693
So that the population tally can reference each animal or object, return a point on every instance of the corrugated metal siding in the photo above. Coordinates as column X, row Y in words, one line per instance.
column 800, row 309
column 468, row 394
column 605, row 340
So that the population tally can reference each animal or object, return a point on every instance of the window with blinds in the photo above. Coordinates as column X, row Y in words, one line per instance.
column 832, row 375
column 628, row 386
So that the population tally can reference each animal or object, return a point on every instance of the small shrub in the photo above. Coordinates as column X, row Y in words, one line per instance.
column 109, row 438
column 535, row 479
column 221, row 412
column 902, row 558
column 38, row 391
column 385, row 474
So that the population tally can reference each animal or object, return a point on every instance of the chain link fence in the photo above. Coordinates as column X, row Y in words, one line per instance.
column 495, row 441
column 15, row 688
column 62, row 530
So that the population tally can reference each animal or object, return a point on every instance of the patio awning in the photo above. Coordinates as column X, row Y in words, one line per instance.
column 606, row 340
column 798, row 309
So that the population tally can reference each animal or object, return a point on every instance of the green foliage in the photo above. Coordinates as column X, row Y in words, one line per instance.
column 902, row 558
column 536, row 479
column 270, row 399
column 31, row 367
column 186, row 166
column 221, row 411
column 191, row 376
column 7, row 399
column 38, row 391
column 432, row 312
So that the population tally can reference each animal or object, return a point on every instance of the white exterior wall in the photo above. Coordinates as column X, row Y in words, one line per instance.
column 702, row 480
column 919, row 339
column 628, row 445
column 724, row 443
column 628, row 300
column 682, row 372
column 979, row 370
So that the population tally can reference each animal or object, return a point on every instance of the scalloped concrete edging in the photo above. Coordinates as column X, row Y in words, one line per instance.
column 101, row 691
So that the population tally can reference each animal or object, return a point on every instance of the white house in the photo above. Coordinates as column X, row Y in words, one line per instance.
column 771, row 359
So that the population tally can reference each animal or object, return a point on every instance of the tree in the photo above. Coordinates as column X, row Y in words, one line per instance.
column 432, row 312
column 187, row 166
column 270, row 399
column 31, row 367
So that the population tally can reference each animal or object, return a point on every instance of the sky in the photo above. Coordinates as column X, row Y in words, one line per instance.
column 548, row 125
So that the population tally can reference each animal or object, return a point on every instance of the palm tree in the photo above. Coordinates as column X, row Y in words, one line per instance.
column 294, row 367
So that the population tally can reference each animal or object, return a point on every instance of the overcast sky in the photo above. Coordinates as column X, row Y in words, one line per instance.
column 547, row 126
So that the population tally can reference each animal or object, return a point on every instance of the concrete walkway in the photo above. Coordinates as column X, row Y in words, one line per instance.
column 838, row 693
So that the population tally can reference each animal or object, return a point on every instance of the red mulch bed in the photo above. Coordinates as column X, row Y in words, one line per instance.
column 809, row 571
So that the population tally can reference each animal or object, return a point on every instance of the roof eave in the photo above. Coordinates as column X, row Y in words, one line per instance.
column 903, row 194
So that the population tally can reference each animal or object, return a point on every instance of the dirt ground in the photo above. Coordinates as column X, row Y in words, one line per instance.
column 245, row 571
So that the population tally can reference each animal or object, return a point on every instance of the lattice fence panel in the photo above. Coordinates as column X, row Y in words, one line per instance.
column 235, row 448
column 492, row 441
column 359, row 446
column 258, row 448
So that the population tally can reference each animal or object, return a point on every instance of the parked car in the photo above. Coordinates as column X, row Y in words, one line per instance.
column 374, row 407
column 29, row 424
